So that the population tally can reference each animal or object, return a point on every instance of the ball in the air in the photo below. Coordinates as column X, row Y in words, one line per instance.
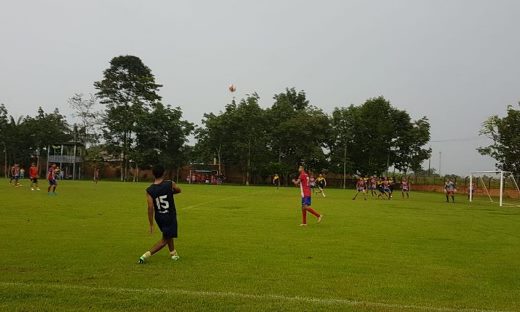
column 232, row 88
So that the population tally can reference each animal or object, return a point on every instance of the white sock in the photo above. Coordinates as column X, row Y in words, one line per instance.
column 147, row 255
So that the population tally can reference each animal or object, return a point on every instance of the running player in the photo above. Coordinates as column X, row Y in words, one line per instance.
column 386, row 188
column 360, row 187
column 373, row 185
column 381, row 188
column 405, row 187
column 321, row 182
column 159, row 197
column 312, row 181
column 449, row 189
column 51, row 177
column 33, row 175
column 304, row 182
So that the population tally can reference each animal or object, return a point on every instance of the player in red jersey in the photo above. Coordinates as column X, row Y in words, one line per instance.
column 305, row 189
column 405, row 188
column 51, row 177
column 361, row 186
column 33, row 175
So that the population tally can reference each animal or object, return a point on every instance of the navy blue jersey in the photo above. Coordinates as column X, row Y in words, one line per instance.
column 162, row 195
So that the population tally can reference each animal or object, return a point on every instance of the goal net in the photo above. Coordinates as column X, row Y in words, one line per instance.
column 495, row 186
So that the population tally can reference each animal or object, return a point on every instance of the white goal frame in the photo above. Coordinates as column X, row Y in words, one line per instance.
column 501, row 173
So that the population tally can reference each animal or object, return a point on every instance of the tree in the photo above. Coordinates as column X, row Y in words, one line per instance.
column 4, row 122
column 504, row 133
column 374, row 136
column 85, row 110
column 161, row 136
column 237, row 136
column 342, row 123
column 128, row 90
column 299, row 133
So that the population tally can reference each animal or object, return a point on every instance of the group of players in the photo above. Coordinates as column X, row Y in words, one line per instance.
column 380, row 187
column 16, row 174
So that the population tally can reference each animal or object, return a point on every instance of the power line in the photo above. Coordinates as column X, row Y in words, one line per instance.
column 477, row 138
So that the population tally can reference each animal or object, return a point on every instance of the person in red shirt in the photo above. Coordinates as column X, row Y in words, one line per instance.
column 361, row 187
column 33, row 175
column 305, row 189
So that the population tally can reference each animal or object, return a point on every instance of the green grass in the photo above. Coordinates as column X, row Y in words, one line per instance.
column 242, row 250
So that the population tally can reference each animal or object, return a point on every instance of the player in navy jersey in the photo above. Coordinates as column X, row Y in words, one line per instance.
column 161, row 205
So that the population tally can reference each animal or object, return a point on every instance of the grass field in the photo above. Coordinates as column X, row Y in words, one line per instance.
column 242, row 250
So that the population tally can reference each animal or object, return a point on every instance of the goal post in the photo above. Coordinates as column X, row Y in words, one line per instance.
column 507, row 183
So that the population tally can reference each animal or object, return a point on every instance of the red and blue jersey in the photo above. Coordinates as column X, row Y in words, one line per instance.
column 305, row 186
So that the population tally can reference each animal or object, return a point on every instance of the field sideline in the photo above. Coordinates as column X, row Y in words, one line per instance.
column 242, row 250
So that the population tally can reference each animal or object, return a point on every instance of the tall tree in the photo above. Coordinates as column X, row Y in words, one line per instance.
column 504, row 133
column 375, row 136
column 161, row 136
column 128, row 90
column 85, row 111
column 299, row 132
column 237, row 136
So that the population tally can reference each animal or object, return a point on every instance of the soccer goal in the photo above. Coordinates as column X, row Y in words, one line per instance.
column 494, row 185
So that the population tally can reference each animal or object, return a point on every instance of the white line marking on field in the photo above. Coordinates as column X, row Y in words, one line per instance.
column 208, row 202
column 323, row 301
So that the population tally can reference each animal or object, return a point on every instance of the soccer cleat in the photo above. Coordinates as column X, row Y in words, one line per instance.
column 319, row 218
column 174, row 255
column 32, row 189
column 303, row 224
column 141, row 260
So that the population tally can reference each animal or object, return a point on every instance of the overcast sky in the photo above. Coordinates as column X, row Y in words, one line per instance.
column 456, row 62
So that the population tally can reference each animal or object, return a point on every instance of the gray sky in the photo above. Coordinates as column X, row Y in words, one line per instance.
column 455, row 61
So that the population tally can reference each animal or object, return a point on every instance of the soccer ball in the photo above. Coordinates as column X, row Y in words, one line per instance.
column 232, row 88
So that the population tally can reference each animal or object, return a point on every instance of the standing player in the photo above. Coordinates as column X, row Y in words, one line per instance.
column 449, row 189
column 159, row 197
column 405, row 188
column 321, row 182
column 361, row 187
column 51, row 177
column 16, row 175
column 276, row 180
column 305, row 188
column 96, row 175
column 33, row 175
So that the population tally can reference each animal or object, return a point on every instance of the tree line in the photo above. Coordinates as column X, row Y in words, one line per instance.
column 136, row 129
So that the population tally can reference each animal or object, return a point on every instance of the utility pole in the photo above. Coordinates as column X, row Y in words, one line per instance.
column 440, row 163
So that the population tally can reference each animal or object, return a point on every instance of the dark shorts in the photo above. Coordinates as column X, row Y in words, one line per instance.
column 321, row 184
column 34, row 180
column 53, row 182
column 306, row 201
column 167, row 223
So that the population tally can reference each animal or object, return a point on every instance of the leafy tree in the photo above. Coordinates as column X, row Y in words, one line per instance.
column 343, row 122
column 374, row 136
column 85, row 110
column 128, row 90
column 161, row 135
column 504, row 133
column 236, row 136
column 299, row 133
